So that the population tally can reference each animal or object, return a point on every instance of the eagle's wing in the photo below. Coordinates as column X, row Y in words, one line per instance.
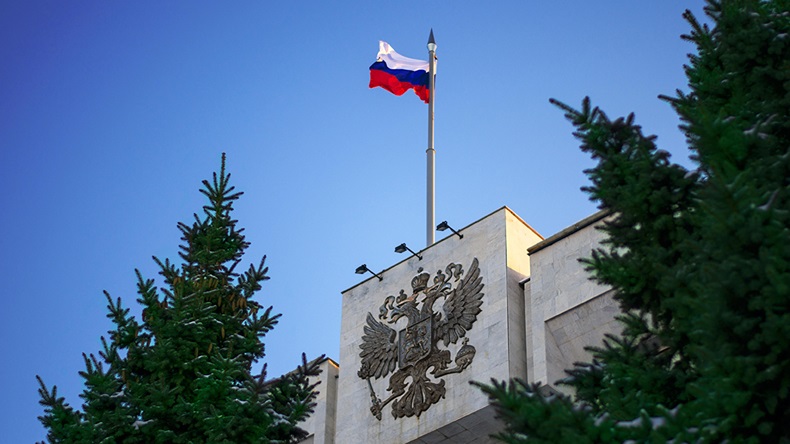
column 379, row 349
column 462, row 306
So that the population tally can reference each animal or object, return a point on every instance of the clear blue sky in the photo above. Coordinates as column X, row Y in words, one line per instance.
column 111, row 113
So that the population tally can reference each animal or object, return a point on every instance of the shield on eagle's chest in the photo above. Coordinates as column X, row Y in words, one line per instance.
column 414, row 342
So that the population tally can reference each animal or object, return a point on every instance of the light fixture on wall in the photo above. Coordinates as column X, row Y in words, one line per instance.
column 444, row 226
column 362, row 269
column 402, row 248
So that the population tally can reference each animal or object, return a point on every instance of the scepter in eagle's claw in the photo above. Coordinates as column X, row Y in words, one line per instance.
column 376, row 407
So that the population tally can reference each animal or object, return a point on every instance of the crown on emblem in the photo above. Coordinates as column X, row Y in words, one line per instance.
column 420, row 282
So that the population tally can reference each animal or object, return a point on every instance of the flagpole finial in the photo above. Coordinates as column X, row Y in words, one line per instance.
column 431, row 42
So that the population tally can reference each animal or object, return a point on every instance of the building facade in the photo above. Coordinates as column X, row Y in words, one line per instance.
column 496, row 300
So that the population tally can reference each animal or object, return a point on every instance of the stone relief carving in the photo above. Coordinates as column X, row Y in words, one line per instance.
column 414, row 350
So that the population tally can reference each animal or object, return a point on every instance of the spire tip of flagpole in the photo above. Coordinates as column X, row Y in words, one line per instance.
column 431, row 42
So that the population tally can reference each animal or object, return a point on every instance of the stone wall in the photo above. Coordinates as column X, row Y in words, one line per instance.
column 498, row 242
column 539, row 311
column 565, row 310
column 321, row 423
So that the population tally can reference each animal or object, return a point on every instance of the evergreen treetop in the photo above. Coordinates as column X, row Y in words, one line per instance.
column 182, row 374
column 699, row 260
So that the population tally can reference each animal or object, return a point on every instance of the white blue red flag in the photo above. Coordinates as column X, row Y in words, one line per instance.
column 398, row 74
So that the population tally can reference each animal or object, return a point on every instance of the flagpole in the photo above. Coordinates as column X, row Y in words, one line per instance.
column 430, row 152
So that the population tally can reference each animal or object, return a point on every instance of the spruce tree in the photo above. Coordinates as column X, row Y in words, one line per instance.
column 182, row 373
column 699, row 260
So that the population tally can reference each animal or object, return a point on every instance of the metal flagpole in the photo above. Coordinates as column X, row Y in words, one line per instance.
column 430, row 152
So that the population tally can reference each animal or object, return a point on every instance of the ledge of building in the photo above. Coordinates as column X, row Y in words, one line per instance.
column 505, row 207
column 589, row 220
column 317, row 361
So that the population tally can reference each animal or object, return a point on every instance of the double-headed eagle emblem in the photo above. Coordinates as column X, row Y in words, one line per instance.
column 414, row 350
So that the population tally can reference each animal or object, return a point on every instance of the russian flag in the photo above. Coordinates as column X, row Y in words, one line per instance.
column 398, row 74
